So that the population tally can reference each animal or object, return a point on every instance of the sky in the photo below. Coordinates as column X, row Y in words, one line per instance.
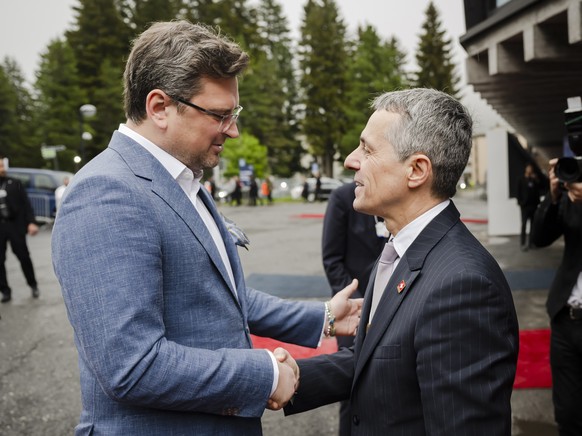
column 27, row 27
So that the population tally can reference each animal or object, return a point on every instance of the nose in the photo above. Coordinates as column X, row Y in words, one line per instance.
column 352, row 162
column 232, row 131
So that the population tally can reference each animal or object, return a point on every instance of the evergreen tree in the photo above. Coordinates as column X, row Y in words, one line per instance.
column 268, row 92
column 58, row 102
column 377, row 66
column 109, row 96
column 100, row 34
column 140, row 14
column 434, row 58
column 17, row 139
column 323, row 62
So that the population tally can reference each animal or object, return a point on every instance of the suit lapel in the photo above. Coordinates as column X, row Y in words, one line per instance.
column 147, row 167
column 400, row 285
column 231, row 250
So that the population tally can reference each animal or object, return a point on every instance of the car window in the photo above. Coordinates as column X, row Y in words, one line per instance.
column 42, row 181
column 24, row 178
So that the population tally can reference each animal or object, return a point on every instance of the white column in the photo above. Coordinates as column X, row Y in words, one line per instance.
column 503, row 212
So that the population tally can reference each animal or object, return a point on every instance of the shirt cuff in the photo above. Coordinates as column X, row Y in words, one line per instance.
column 275, row 373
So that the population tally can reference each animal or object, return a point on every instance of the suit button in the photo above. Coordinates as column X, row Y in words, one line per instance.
column 356, row 419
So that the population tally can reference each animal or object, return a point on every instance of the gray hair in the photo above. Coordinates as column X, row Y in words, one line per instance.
column 173, row 56
column 432, row 123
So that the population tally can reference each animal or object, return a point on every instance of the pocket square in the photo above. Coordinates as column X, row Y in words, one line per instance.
column 236, row 233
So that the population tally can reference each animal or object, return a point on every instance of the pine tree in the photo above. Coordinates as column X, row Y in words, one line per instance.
column 100, row 35
column 268, row 92
column 377, row 66
column 17, row 139
column 323, row 62
column 142, row 13
column 59, row 98
column 434, row 58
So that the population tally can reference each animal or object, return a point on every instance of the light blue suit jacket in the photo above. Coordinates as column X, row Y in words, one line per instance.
column 163, row 338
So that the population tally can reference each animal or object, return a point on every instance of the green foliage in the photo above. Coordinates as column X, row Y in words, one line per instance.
column 108, row 99
column 140, row 14
column 58, row 102
column 323, row 62
column 100, row 34
column 246, row 147
column 267, row 92
column 434, row 57
column 318, row 93
column 377, row 66
column 17, row 139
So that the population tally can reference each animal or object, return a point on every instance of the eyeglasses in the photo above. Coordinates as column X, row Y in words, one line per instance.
column 226, row 121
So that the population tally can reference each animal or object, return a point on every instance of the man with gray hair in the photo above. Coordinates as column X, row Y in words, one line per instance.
column 436, row 348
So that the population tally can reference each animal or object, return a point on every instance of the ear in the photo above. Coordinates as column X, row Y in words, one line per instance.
column 156, row 104
column 419, row 170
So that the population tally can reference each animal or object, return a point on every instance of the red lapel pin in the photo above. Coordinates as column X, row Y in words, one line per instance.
column 401, row 286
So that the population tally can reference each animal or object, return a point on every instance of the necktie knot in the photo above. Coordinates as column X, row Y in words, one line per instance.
column 389, row 254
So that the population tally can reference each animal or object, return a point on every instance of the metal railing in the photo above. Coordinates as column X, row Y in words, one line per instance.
column 41, row 205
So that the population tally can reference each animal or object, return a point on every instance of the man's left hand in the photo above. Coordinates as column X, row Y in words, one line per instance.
column 347, row 311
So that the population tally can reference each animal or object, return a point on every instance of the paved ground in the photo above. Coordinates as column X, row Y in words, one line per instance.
column 38, row 369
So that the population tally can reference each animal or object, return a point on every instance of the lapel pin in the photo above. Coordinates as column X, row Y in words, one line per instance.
column 401, row 286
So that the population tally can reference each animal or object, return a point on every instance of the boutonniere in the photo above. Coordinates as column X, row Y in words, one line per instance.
column 236, row 233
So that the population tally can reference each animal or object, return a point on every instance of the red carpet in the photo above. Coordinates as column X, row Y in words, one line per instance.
column 327, row 346
column 533, row 363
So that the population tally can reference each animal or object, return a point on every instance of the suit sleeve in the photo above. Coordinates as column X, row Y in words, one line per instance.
column 324, row 379
column 334, row 243
column 546, row 227
column 467, row 340
column 114, row 291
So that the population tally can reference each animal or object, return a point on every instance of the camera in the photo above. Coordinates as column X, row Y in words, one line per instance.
column 569, row 169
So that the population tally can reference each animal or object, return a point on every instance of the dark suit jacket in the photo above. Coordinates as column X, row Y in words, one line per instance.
column 349, row 245
column 550, row 222
column 18, row 203
column 441, row 355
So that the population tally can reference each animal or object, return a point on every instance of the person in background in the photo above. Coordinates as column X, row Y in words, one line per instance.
column 253, row 191
column 210, row 186
column 305, row 190
column 560, row 214
column 529, row 191
column 59, row 193
column 436, row 348
column 318, row 187
column 351, row 243
column 16, row 221
column 236, row 194
column 267, row 189
column 148, row 267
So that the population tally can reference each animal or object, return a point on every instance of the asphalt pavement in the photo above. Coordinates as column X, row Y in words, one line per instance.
column 39, row 387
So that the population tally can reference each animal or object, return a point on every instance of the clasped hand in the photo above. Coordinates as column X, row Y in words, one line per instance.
column 347, row 317
column 288, row 380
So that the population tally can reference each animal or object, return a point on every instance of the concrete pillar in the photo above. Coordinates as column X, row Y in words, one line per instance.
column 503, row 212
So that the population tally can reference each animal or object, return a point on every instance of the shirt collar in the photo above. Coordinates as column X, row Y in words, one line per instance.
column 179, row 172
column 410, row 231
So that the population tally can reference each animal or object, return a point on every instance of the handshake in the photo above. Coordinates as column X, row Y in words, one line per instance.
column 288, row 380
column 345, row 314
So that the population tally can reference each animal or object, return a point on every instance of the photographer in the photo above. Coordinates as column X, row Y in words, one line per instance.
column 16, row 220
column 561, row 214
